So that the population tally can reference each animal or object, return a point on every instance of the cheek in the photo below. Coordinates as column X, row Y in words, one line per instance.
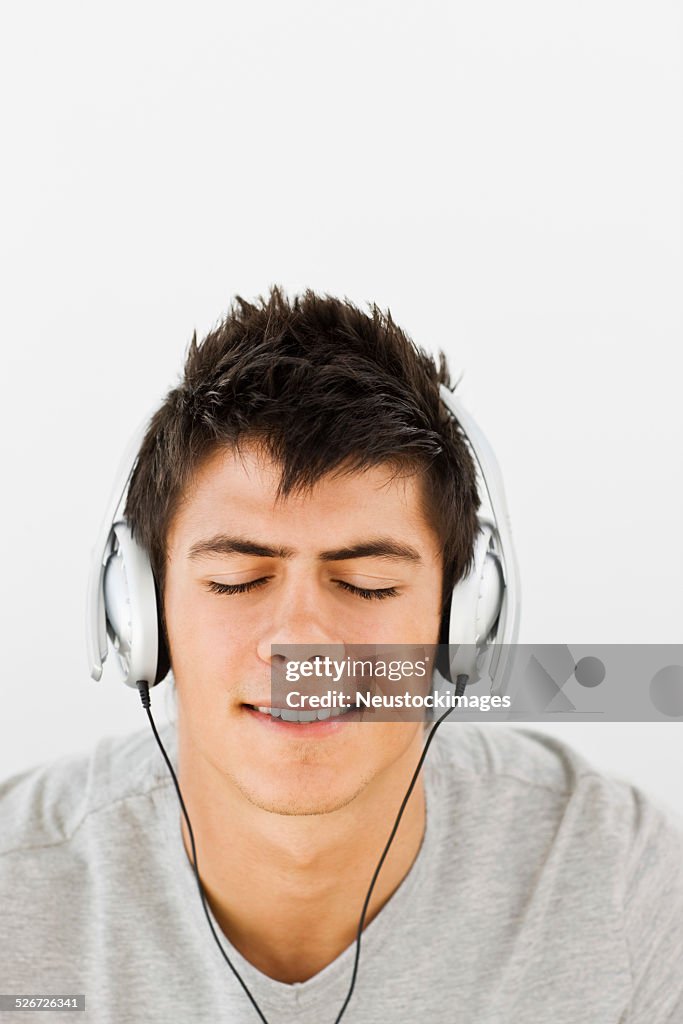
column 199, row 630
column 419, row 619
column 386, row 742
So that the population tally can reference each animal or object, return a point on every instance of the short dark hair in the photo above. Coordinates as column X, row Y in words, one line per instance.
column 324, row 386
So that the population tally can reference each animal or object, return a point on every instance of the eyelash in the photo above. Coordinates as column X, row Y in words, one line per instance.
column 369, row 595
column 244, row 588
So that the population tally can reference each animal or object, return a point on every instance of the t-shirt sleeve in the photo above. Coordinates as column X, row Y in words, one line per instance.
column 653, row 913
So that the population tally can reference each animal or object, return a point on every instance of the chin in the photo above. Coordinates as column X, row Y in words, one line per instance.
column 299, row 800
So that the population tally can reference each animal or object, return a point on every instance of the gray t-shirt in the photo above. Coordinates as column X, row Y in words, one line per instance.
column 543, row 891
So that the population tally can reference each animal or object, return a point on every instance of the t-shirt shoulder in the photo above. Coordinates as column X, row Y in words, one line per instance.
column 535, row 778
column 528, row 767
column 498, row 751
column 47, row 805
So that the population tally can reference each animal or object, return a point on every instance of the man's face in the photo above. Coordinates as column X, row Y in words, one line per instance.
column 304, row 556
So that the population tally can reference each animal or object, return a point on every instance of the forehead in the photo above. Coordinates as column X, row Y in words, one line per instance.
column 232, row 489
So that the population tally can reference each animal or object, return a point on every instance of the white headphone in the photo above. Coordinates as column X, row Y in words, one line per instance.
column 482, row 615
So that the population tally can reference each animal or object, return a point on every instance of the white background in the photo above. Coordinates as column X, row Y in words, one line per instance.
column 506, row 177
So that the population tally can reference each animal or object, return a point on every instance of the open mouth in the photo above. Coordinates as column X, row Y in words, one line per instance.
column 300, row 716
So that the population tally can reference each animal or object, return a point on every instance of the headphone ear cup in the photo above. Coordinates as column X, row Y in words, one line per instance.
column 472, row 611
column 130, row 604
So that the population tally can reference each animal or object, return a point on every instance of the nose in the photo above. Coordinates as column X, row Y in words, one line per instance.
column 301, row 628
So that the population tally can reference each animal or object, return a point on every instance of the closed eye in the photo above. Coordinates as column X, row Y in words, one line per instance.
column 244, row 588
column 237, row 588
column 369, row 595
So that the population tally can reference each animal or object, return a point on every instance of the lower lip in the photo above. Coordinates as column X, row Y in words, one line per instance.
column 303, row 730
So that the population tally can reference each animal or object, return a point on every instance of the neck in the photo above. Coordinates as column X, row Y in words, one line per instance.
column 287, row 890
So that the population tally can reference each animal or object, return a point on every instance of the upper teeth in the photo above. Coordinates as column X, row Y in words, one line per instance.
column 294, row 715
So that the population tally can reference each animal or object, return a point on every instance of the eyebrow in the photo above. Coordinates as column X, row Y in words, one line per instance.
column 380, row 547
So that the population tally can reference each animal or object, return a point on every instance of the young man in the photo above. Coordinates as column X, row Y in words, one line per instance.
column 304, row 485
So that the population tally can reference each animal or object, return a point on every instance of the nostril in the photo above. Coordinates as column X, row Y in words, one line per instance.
column 307, row 651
